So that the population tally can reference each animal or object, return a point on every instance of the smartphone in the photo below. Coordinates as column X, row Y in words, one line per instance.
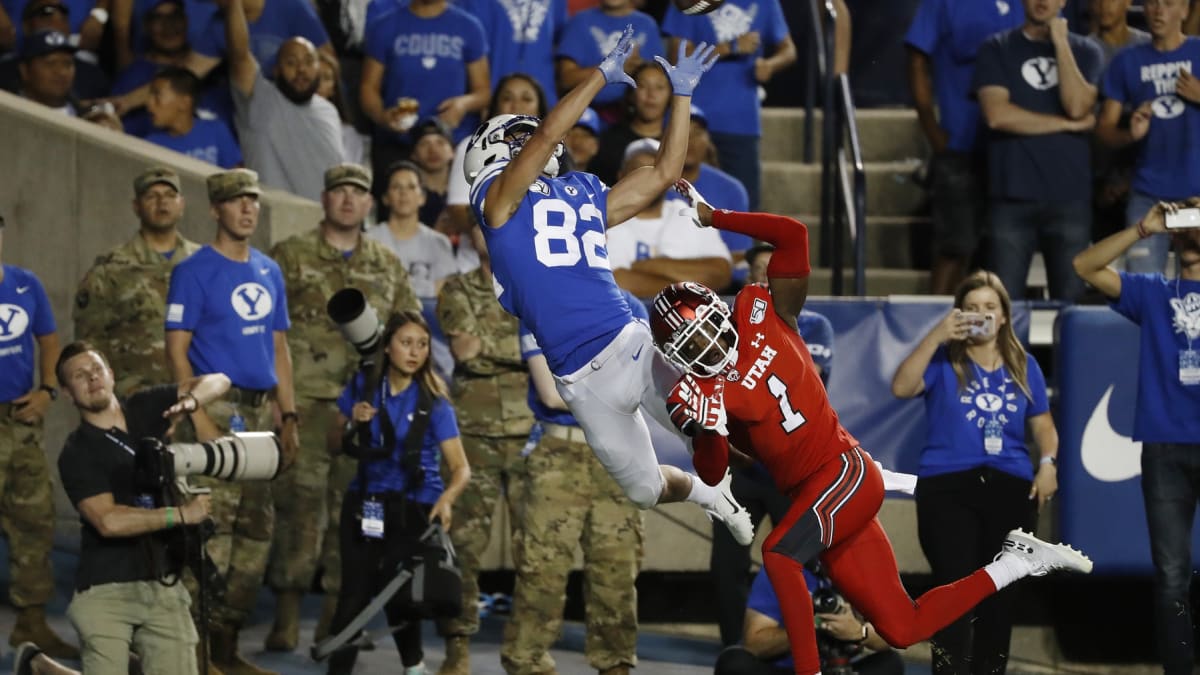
column 979, row 324
column 1183, row 219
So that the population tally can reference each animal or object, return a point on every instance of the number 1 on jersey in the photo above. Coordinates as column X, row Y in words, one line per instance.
column 792, row 418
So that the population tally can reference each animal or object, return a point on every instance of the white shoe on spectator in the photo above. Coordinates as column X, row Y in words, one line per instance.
column 418, row 669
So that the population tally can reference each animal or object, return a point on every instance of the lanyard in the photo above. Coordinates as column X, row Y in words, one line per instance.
column 1179, row 303
column 124, row 446
column 982, row 378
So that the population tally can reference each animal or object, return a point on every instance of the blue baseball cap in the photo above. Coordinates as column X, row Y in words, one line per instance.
column 589, row 120
column 45, row 42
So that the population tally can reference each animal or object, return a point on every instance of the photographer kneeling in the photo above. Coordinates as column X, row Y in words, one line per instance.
column 847, row 643
column 127, row 590
column 399, row 489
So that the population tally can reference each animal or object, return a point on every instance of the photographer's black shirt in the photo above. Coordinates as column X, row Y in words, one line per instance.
column 95, row 461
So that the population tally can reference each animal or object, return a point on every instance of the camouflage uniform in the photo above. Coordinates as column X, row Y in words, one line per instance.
column 494, row 419
column 308, row 496
column 572, row 500
column 120, row 307
column 26, row 510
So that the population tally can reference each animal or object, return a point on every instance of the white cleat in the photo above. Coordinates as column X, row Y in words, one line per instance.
column 731, row 513
column 1044, row 557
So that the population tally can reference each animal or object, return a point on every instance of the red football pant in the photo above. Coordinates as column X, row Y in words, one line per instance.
column 835, row 510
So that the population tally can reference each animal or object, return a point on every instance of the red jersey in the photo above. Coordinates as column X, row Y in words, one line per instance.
column 776, row 404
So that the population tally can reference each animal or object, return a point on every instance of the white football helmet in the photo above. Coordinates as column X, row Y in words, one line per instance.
column 500, row 139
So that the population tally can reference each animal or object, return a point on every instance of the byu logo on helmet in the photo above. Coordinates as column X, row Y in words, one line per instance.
column 500, row 139
column 13, row 322
column 251, row 301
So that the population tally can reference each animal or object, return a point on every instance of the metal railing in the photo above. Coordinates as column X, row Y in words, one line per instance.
column 843, row 176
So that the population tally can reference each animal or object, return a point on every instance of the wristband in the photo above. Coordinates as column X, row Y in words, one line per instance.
column 100, row 15
column 170, row 517
column 1143, row 233
column 291, row 414
column 1049, row 459
column 864, row 635
column 50, row 390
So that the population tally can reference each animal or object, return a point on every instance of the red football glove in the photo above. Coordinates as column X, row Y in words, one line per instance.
column 698, row 404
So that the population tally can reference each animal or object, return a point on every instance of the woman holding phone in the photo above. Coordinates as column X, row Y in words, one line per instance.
column 976, row 480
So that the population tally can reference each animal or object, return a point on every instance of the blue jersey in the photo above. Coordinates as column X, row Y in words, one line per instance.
column 550, row 266
column 388, row 475
column 232, row 310
column 956, row 417
column 950, row 34
column 425, row 58
column 1168, row 316
column 521, row 36
column 209, row 141
column 1167, row 166
column 215, row 102
column 24, row 314
column 591, row 34
column 280, row 21
column 729, row 92
column 530, row 349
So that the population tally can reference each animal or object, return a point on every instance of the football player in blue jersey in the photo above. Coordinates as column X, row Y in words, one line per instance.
column 546, row 235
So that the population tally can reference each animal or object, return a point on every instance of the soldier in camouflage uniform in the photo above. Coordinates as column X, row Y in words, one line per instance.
column 28, row 343
column 227, row 312
column 490, row 386
column 122, row 301
column 571, row 501
column 315, row 266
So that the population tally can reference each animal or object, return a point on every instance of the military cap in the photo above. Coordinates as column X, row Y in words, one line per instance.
column 348, row 174
column 229, row 184
column 151, row 177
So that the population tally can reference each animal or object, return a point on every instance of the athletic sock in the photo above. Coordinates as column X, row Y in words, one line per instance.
column 1006, row 569
column 704, row 495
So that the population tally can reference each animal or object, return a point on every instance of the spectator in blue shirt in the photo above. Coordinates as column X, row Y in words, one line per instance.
column 272, row 23
column 1156, row 80
column 80, row 22
column 395, row 496
column 753, row 42
column 434, row 56
column 590, row 35
column 983, row 392
column 1166, row 418
column 521, row 37
column 172, row 107
column 1036, row 87
column 583, row 140
column 942, row 42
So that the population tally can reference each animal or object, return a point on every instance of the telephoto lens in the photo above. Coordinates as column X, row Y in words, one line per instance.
column 252, row 455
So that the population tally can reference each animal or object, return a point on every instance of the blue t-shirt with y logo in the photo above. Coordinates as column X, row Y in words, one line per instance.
column 232, row 309
column 209, row 141
column 1046, row 167
column 25, row 314
column 955, row 417
column 550, row 265
column 950, row 33
column 591, row 34
column 522, row 35
column 1168, row 316
column 425, row 58
column 729, row 93
column 1168, row 166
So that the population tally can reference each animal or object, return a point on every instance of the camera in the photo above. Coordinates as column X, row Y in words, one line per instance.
column 356, row 320
column 979, row 325
column 835, row 654
column 241, row 456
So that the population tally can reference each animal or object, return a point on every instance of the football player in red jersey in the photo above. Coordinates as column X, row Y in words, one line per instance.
column 751, row 383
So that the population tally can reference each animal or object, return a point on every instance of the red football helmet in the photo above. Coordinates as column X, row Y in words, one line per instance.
column 692, row 328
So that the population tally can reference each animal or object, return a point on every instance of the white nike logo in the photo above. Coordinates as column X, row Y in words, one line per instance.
column 1107, row 455
column 22, row 289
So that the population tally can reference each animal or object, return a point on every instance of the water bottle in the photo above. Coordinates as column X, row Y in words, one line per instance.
column 237, row 423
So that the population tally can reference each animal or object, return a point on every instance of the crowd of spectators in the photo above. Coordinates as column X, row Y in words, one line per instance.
column 1013, row 101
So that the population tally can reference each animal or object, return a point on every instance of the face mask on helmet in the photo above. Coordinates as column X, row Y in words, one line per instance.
column 707, row 346
column 501, row 139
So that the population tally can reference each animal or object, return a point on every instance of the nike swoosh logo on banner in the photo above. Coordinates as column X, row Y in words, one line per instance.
column 638, row 353
column 1107, row 455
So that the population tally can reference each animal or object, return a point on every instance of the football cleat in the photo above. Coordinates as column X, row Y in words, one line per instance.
column 1043, row 557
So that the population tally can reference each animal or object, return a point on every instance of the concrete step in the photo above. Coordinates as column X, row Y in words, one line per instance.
column 790, row 187
column 880, row 282
column 895, row 242
column 886, row 134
